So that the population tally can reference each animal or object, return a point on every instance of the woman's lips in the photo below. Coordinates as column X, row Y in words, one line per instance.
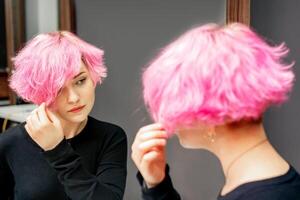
column 76, row 109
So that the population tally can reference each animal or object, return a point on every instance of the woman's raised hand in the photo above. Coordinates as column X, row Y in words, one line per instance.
column 44, row 128
column 148, row 153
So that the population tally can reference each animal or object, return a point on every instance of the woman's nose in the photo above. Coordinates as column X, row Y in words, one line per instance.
column 73, row 97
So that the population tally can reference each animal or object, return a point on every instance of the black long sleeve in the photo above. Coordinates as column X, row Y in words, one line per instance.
column 284, row 187
column 79, row 183
column 163, row 191
column 6, row 178
column 92, row 165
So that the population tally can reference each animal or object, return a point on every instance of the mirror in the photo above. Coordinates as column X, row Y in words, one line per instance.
column 2, row 38
column 40, row 17
column 20, row 21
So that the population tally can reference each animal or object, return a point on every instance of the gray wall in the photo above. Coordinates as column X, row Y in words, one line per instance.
column 278, row 21
column 131, row 33
column 40, row 17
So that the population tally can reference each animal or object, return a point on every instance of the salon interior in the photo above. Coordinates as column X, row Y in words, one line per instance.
column 131, row 32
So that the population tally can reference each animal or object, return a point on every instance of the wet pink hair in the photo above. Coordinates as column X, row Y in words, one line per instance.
column 47, row 61
column 215, row 75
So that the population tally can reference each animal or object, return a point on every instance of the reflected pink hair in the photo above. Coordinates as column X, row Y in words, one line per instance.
column 215, row 75
column 47, row 61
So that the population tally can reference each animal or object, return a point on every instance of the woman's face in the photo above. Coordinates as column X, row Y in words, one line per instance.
column 76, row 98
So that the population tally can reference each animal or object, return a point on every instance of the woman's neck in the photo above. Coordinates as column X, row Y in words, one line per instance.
column 72, row 129
column 245, row 154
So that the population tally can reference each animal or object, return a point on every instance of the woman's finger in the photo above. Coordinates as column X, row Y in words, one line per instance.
column 53, row 118
column 34, row 120
column 30, row 123
column 139, row 149
column 159, row 134
column 43, row 115
column 151, row 127
column 152, row 156
column 150, row 145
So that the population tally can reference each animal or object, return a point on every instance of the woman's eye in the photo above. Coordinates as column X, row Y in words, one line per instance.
column 81, row 81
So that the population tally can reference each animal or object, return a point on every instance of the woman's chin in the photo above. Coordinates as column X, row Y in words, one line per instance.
column 76, row 118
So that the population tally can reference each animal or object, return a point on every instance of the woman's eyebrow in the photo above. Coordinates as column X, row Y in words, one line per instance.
column 78, row 75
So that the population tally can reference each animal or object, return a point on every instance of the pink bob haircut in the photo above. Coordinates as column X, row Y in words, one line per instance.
column 216, row 75
column 47, row 61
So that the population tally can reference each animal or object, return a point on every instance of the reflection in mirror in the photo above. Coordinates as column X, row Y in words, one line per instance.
column 41, row 17
column 20, row 21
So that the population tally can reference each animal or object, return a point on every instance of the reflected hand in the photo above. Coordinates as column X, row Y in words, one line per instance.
column 44, row 128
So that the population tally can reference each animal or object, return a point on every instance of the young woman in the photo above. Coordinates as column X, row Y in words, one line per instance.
column 211, row 87
column 60, row 152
